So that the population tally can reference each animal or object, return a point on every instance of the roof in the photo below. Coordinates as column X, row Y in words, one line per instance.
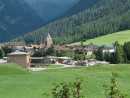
column 38, row 46
column 111, row 46
column 63, row 47
column 18, row 53
column 36, row 58
column 20, row 47
column 28, row 47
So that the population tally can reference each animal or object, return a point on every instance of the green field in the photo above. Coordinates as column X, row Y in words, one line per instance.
column 17, row 83
column 123, row 36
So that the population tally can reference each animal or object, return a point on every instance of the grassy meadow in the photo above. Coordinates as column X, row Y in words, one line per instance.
column 18, row 83
column 121, row 37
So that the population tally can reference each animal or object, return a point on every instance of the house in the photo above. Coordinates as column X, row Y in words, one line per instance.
column 63, row 48
column 108, row 48
column 20, row 58
column 84, row 50
column 20, row 48
column 29, row 50
column 37, row 47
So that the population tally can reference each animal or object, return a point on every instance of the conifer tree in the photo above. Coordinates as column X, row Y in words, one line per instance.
column 99, row 54
column 119, row 55
column 126, row 49
column 2, row 54
column 107, row 56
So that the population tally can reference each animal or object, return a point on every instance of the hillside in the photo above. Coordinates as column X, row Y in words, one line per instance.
column 79, row 7
column 11, row 69
column 16, row 19
column 102, row 18
column 121, row 37
column 49, row 9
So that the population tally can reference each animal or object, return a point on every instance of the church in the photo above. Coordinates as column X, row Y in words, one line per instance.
column 48, row 41
column 36, row 47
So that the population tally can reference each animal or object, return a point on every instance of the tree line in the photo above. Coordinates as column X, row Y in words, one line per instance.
column 6, row 50
column 121, row 54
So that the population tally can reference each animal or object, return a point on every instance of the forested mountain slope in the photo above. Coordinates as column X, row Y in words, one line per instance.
column 49, row 9
column 104, row 17
column 79, row 7
column 17, row 18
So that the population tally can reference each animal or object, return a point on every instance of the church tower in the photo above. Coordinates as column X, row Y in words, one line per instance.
column 48, row 41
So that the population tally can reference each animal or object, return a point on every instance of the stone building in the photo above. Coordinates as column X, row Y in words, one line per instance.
column 20, row 58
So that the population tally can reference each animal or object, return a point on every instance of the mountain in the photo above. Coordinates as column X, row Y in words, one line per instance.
column 99, row 18
column 17, row 18
column 49, row 9
column 79, row 7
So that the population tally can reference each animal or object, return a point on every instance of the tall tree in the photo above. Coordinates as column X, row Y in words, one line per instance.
column 107, row 56
column 51, row 51
column 126, row 49
column 8, row 49
column 2, row 54
column 99, row 54
column 119, row 54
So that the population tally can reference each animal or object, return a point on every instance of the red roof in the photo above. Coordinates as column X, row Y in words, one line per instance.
column 38, row 46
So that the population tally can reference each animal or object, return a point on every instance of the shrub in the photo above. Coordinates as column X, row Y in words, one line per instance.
column 67, row 90
column 112, row 91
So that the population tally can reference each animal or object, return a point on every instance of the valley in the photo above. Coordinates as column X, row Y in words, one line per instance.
column 47, row 42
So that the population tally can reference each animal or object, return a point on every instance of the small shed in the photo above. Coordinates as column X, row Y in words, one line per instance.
column 20, row 58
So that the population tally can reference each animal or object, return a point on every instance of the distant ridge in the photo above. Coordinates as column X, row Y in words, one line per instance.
column 50, row 9
column 79, row 7
column 16, row 19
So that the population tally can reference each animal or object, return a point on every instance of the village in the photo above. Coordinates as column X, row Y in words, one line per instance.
column 26, row 56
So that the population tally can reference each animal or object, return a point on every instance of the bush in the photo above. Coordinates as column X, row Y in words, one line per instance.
column 112, row 91
column 67, row 90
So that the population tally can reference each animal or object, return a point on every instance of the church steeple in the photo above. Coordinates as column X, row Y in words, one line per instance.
column 48, row 40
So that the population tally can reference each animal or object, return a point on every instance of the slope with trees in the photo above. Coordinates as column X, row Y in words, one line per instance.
column 16, row 19
column 106, row 16
column 49, row 9
column 120, row 56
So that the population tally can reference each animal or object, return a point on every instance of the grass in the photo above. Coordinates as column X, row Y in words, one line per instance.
column 34, row 84
column 8, row 69
column 121, row 37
